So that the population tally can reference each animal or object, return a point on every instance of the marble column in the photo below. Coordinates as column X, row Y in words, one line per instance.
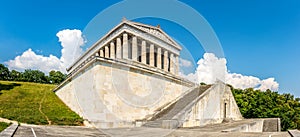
column 106, row 52
column 151, row 62
column 172, row 62
column 125, row 46
column 112, row 50
column 101, row 53
column 134, row 49
column 177, row 65
column 166, row 61
column 119, row 48
column 144, row 52
column 158, row 58
column 97, row 54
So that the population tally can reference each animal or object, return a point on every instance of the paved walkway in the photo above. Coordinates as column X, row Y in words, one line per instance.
column 57, row 131
column 65, row 131
column 207, row 131
column 157, row 132
column 138, row 132
column 187, row 133
column 9, row 130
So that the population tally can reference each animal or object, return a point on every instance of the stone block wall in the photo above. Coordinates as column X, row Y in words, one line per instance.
column 110, row 94
column 216, row 105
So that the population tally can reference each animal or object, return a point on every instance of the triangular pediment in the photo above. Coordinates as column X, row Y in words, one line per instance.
column 154, row 31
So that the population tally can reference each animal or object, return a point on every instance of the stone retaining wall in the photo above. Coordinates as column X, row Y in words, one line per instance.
column 115, row 94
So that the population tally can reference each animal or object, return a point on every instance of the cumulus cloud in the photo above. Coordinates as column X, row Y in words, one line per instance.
column 30, row 60
column 71, row 42
column 240, row 81
column 191, row 76
column 184, row 63
column 211, row 68
column 269, row 83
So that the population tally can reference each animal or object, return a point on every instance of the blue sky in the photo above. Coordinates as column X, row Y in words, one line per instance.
column 259, row 38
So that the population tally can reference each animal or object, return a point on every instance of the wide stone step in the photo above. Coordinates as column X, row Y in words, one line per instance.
column 174, row 109
column 155, row 125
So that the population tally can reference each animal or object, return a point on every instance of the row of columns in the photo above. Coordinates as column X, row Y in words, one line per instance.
column 166, row 60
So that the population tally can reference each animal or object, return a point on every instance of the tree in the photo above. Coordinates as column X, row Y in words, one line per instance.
column 4, row 72
column 34, row 76
column 269, row 104
column 15, row 75
column 56, row 77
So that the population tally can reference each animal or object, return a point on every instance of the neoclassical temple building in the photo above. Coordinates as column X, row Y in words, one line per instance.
column 129, row 78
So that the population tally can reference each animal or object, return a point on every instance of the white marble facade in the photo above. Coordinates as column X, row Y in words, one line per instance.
column 136, row 42
column 130, row 47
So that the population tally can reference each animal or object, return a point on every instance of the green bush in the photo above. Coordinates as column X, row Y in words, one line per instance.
column 268, row 104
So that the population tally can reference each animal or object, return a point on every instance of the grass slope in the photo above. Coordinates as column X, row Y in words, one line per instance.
column 34, row 103
column 3, row 126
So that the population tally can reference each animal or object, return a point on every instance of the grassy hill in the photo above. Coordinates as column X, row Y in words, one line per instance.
column 3, row 126
column 34, row 103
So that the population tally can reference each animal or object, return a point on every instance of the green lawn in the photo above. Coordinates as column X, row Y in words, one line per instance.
column 34, row 103
column 3, row 126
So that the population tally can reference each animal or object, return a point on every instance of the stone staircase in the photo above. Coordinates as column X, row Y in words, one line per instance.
column 173, row 109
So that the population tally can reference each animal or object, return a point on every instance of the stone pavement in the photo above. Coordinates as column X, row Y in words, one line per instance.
column 187, row 133
column 9, row 131
column 221, row 127
column 57, row 131
column 68, row 131
column 215, row 130
column 157, row 132
column 294, row 133
column 138, row 132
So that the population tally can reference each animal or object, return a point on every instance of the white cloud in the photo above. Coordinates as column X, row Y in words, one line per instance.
column 191, row 76
column 269, row 83
column 211, row 68
column 71, row 42
column 240, row 81
column 184, row 63
column 30, row 60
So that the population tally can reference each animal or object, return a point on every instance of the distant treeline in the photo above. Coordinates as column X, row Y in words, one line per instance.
column 269, row 104
column 55, row 77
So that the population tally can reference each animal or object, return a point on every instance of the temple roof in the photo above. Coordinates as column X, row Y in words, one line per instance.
column 156, row 32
